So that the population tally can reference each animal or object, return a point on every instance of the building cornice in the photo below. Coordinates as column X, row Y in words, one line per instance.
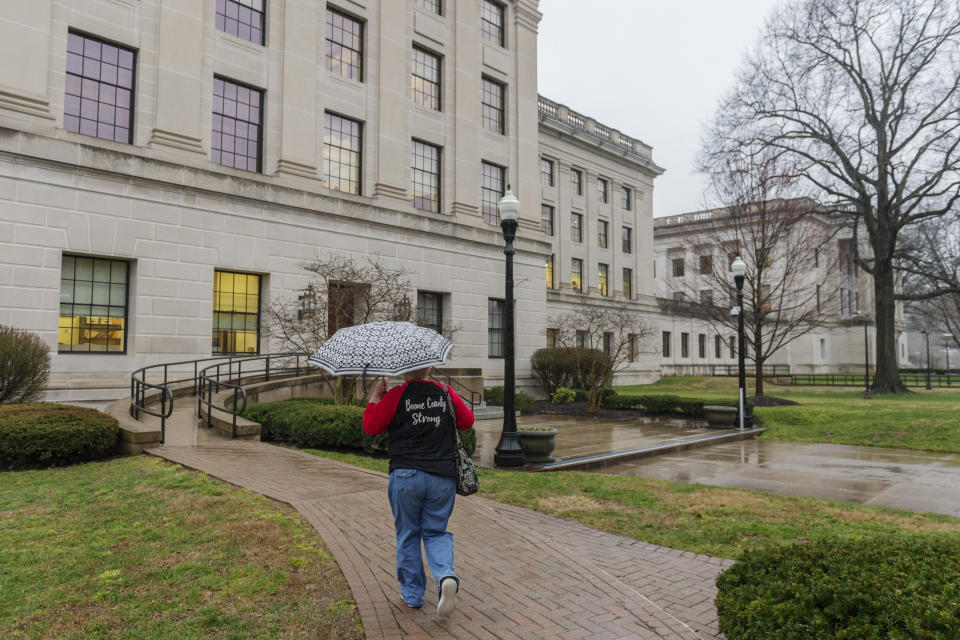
column 594, row 144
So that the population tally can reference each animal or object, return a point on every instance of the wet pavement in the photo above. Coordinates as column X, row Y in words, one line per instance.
column 580, row 437
column 912, row 480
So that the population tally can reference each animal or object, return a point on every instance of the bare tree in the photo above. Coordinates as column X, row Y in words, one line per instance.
column 863, row 97
column 614, row 329
column 342, row 292
column 790, row 284
column 929, row 261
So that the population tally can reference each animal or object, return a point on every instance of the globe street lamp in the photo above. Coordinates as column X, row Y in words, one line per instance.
column 866, row 355
column 739, row 269
column 508, row 452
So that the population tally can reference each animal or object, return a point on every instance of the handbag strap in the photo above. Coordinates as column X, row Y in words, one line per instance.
column 453, row 414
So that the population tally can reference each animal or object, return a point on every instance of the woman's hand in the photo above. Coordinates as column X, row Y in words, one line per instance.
column 379, row 390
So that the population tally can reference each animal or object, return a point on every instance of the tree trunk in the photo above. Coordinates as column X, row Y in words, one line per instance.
column 758, row 380
column 887, row 378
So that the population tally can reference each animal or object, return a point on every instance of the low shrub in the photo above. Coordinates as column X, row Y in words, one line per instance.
column 580, row 395
column 523, row 401
column 493, row 396
column 316, row 423
column 608, row 394
column 44, row 434
column 563, row 395
column 883, row 587
column 553, row 368
column 24, row 365
column 668, row 404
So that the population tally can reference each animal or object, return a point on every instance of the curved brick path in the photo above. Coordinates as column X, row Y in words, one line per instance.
column 524, row 574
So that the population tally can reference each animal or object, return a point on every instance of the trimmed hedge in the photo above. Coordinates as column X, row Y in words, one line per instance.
column 44, row 434
column 668, row 404
column 523, row 401
column 316, row 423
column 863, row 589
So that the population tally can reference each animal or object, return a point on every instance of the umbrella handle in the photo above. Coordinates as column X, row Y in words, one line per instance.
column 363, row 378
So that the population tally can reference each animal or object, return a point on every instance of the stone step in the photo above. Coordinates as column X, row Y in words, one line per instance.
column 485, row 412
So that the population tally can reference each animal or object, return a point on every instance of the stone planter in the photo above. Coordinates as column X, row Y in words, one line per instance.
column 720, row 417
column 537, row 444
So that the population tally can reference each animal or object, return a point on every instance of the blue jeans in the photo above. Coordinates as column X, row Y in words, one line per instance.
column 421, row 505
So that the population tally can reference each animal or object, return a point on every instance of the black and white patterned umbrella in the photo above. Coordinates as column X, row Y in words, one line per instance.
column 381, row 349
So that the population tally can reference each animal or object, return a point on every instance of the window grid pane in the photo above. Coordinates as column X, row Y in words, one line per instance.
column 344, row 55
column 99, row 89
column 546, row 219
column 241, row 18
column 576, row 181
column 602, row 190
column 430, row 310
column 93, row 305
column 576, row 227
column 666, row 344
column 237, row 125
column 602, row 233
column 236, row 313
column 425, row 176
column 426, row 79
column 546, row 172
column 342, row 153
column 576, row 274
column 491, row 191
column 495, row 328
column 491, row 21
column 550, row 272
column 493, row 96
column 433, row 6
column 628, row 283
column 602, row 272
column 625, row 198
column 627, row 240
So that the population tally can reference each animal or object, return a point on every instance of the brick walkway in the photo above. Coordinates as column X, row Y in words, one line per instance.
column 524, row 575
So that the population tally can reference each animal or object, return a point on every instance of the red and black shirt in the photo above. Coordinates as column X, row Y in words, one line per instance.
column 419, row 425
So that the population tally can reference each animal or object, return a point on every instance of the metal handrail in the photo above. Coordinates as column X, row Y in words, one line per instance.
column 212, row 378
column 474, row 396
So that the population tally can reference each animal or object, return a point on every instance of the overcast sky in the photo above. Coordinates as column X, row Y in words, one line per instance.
column 654, row 69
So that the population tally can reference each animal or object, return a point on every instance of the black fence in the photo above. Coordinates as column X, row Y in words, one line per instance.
column 732, row 370
column 857, row 380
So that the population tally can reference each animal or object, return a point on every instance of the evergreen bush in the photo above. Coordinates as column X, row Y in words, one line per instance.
column 24, row 365
column 44, row 434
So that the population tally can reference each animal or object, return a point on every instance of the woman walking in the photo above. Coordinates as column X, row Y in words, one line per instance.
column 421, row 441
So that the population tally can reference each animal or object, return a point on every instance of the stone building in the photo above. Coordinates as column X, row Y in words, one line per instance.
column 167, row 167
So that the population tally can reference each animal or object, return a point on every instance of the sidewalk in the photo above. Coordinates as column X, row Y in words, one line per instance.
column 524, row 575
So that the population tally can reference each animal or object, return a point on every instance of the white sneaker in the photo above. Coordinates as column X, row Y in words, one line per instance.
column 448, row 597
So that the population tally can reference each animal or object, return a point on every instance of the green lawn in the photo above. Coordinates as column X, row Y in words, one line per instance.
column 922, row 420
column 716, row 521
column 140, row 548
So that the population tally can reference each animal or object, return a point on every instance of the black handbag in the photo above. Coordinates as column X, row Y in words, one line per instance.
column 467, row 481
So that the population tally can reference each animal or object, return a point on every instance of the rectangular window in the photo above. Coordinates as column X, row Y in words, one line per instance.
column 576, row 181
column 495, row 328
column 823, row 348
column 701, row 345
column 576, row 274
column 818, row 298
column 626, row 198
column 493, row 105
column 551, row 338
column 627, row 239
column 842, row 296
column 602, row 190
column 546, row 172
column 236, row 313
column 550, row 272
column 706, row 264
column 706, row 297
column 492, row 189
column 666, row 344
column 99, row 89
column 608, row 343
column 491, row 22
column 678, row 267
column 576, row 227
column 425, row 79
column 241, row 18
column 602, row 234
column 628, row 283
column 717, row 347
column 425, row 176
column 602, row 274
column 342, row 148
column 684, row 345
column 632, row 347
column 433, row 6
column 93, row 305
column 344, row 55
column 546, row 219
column 237, row 125
column 733, row 346
column 430, row 310
column 582, row 341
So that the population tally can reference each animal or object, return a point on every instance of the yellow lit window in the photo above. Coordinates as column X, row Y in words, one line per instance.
column 93, row 305
column 236, row 312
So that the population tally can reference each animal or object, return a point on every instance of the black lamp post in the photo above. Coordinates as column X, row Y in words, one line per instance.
column 739, row 268
column 508, row 452
column 926, row 334
column 947, row 337
column 866, row 356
